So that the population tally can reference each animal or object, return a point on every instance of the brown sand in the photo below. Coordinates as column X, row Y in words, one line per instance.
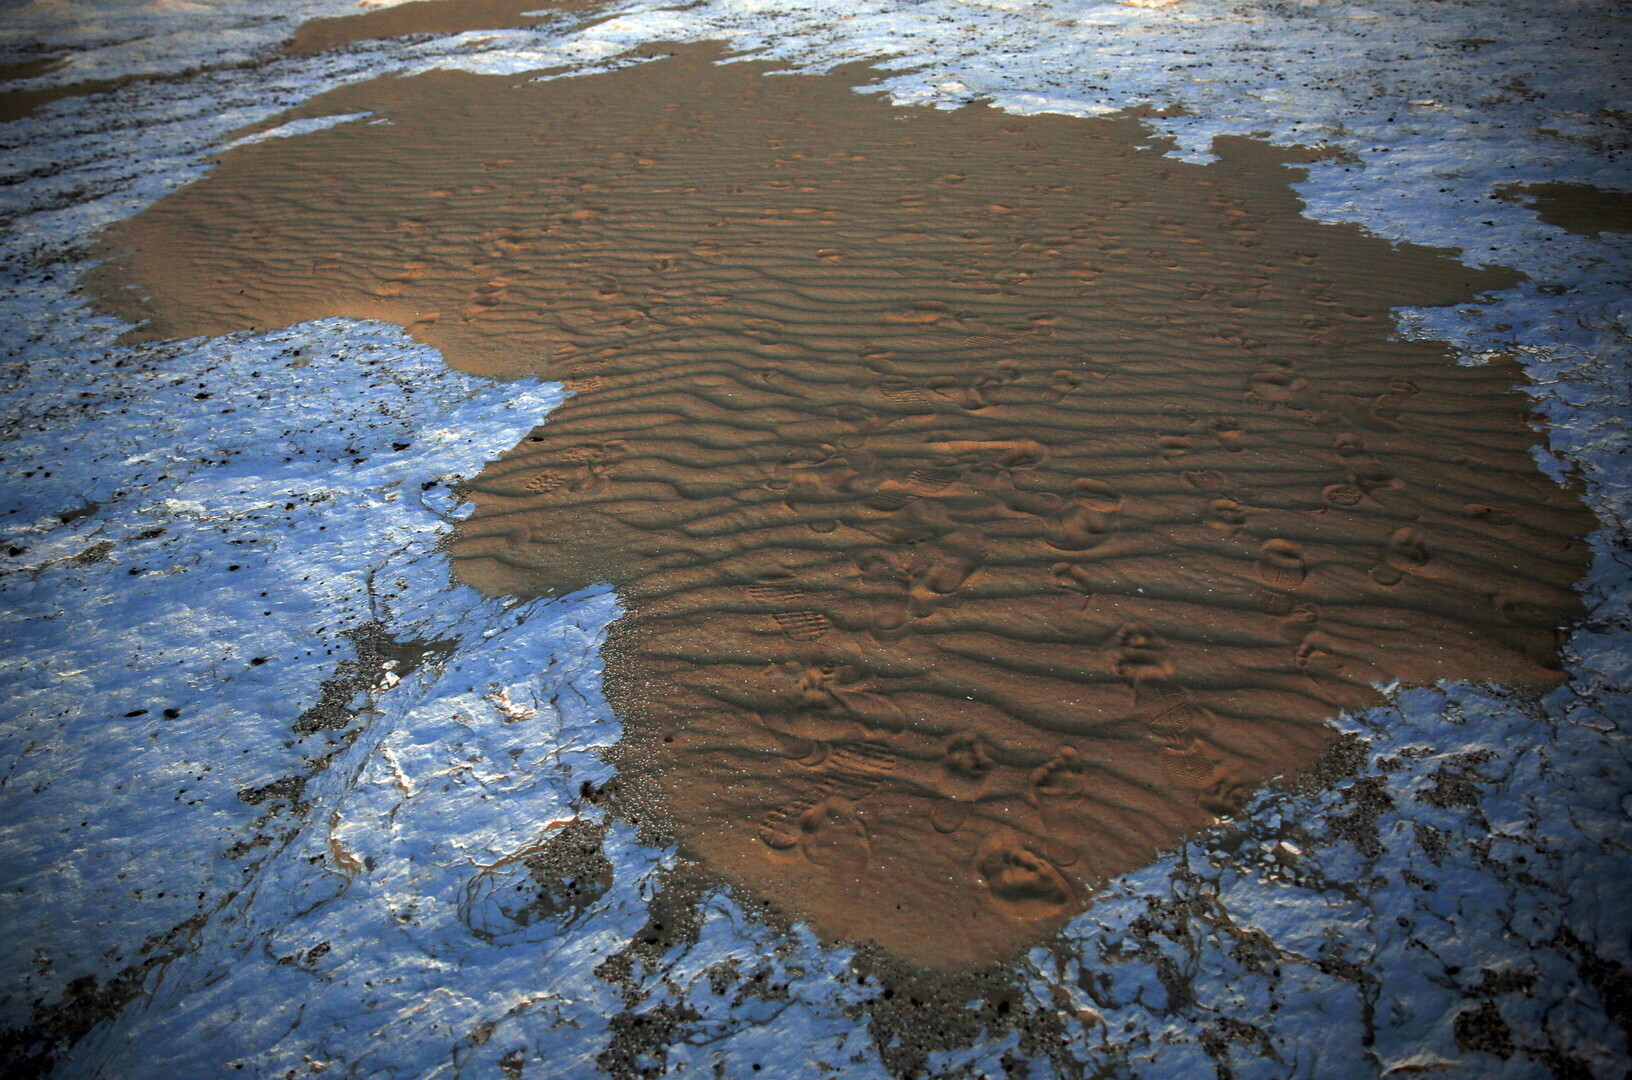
column 29, row 69
column 426, row 17
column 996, row 501
column 16, row 104
column 1578, row 208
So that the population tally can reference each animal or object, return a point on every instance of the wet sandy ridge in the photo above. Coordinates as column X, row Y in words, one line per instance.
column 996, row 501
column 426, row 17
column 1579, row 208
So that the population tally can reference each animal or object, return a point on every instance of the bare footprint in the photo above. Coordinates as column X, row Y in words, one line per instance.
column 1226, row 516
column 942, row 573
column 1317, row 654
column 1228, row 434
column 965, row 765
column 827, row 832
column 1061, row 385
column 1054, row 786
column 1140, row 655
column 1062, row 776
column 1088, row 515
column 1021, row 882
column 1407, row 553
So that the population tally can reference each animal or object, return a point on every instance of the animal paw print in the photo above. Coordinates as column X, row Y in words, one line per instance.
column 1388, row 404
column 986, row 390
column 546, row 482
column 1278, row 385
column 1061, row 385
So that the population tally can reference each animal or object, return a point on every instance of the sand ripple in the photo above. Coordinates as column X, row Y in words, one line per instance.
column 996, row 501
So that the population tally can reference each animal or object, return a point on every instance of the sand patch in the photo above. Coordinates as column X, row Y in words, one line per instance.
column 996, row 501
column 1578, row 208
column 426, row 17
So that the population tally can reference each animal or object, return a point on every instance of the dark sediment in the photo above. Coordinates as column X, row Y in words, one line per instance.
column 1578, row 208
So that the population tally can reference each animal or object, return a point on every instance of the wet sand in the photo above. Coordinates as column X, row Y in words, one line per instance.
column 426, row 17
column 1579, row 208
column 16, row 104
column 996, row 502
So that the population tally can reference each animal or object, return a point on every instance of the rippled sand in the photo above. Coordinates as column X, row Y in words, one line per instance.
column 996, row 501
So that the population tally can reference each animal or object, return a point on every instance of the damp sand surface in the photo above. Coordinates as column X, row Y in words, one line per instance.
column 18, row 103
column 1577, row 208
column 995, row 501
column 426, row 17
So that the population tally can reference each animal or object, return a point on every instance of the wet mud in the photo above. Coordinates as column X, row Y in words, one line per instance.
column 995, row 501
